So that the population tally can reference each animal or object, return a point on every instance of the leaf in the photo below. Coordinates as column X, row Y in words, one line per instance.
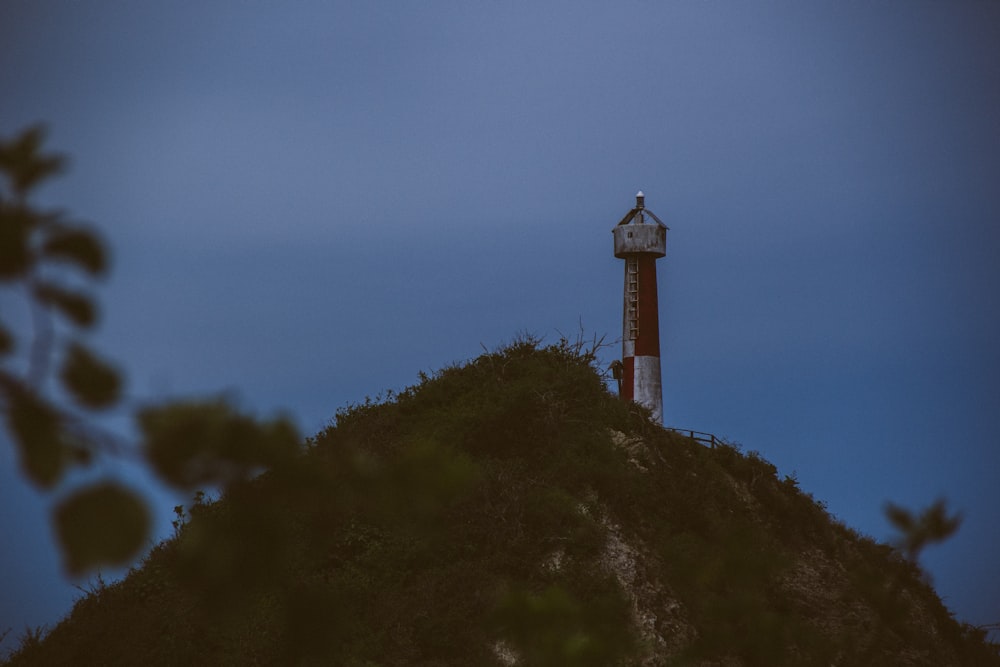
column 91, row 381
column 917, row 531
column 936, row 524
column 16, row 257
column 900, row 517
column 77, row 246
column 75, row 306
column 23, row 163
column 37, row 429
column 6, row 341
column 105, row 524
column 192, row 443
column 221, row 557
column 552, row 627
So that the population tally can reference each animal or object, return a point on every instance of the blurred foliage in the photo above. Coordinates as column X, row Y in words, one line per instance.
column 917, row 531
column 100, row 524
column 550, row 627
column 51, row 262
column 91, row 382
column 207, row 443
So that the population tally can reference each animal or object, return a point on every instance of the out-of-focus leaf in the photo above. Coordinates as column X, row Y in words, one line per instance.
column 79, row 246
column 552, row 628
column 91, row 381
column 916, row 531
column 36, row 428
column 194, row 444
column 900, row 517
column 105, row 524
column 6, row 341
column 427, row 478
column 936, row 522
column 81, row 454
column 22, row 162
column 75, row 306
column 313, row 616
column 16, row 257
column 224, row 556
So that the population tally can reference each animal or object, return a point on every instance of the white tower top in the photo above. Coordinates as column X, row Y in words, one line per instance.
column 635, row 235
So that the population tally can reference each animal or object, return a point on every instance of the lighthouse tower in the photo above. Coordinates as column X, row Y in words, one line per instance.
column 641, row 239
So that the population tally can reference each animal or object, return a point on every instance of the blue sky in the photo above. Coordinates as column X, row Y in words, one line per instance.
column 312, row 202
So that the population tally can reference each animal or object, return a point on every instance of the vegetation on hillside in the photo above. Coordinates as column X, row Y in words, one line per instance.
column 512, row 511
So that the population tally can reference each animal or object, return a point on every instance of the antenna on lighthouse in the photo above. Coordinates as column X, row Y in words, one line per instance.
column 640, row 244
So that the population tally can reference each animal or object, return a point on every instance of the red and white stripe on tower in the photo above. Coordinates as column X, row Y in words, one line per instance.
column 640, row 242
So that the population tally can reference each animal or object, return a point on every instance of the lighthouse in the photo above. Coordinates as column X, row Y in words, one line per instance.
column 641, row 239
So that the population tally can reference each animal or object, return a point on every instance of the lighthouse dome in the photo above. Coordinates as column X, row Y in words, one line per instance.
column 636, row 234
column 640, row 238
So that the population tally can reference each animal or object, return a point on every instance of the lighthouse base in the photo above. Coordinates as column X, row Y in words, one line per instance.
column 642, row 384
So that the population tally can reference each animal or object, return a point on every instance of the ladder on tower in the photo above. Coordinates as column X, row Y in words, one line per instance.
column 632, row 297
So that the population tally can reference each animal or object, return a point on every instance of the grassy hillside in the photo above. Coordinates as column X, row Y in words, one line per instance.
column 510, row 511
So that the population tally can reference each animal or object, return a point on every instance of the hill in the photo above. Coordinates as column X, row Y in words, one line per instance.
column 511, row 511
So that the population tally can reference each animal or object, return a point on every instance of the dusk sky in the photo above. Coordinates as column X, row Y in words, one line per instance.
column 311, row 202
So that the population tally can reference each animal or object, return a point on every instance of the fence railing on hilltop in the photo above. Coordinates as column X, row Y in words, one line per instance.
column 707, row 439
